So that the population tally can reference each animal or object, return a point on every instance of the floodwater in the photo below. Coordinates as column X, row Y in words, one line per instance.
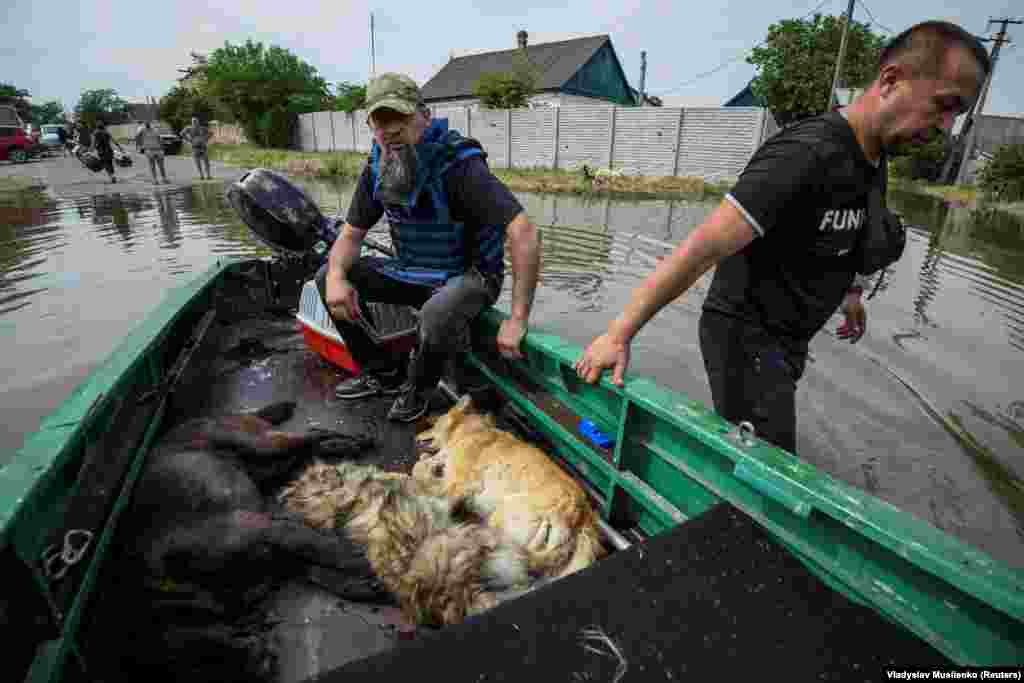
column 926, row 411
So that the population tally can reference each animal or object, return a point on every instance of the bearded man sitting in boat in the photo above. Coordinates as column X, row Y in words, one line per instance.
column 449, row 219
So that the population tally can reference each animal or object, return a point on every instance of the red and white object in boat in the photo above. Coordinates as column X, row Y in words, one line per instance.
column 397, row 329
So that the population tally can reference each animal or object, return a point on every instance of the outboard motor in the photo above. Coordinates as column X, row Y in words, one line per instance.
column 282, row 216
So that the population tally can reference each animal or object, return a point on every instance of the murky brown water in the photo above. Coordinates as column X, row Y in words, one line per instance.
column 946, row 329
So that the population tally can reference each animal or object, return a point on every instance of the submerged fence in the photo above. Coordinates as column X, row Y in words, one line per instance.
column 708, row 142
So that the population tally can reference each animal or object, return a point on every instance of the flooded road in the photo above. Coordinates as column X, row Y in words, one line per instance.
column 926, row 411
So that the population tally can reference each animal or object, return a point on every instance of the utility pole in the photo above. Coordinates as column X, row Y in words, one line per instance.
column 968, row 132
column 842, row 53
column 643, row 76
column 373, row 53
column 1000, row 39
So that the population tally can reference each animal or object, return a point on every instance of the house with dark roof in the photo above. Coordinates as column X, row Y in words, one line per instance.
column 578, row 71
column 745, row 98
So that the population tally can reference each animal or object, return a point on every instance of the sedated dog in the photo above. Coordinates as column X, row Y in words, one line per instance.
column 204, row 544
column 514, row 486
column 440, row 562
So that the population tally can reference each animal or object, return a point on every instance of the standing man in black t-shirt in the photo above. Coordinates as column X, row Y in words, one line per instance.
column 449, row 218
column 787, row 238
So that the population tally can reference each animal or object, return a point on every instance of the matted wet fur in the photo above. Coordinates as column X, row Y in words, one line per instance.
column 439, row 561
column 203, row 545
column 515, row 486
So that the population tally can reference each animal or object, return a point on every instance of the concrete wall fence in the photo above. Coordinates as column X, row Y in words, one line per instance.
column 709, row 142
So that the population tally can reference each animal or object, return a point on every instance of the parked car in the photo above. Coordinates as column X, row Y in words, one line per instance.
column 172, row 141
column 15, row 144
column 49, row 140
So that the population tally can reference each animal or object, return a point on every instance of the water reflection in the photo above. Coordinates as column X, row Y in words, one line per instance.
column 76, row 275
column 28, row 226
column 170, row 226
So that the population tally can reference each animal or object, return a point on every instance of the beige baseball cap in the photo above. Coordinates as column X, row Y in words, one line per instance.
column 393, row 91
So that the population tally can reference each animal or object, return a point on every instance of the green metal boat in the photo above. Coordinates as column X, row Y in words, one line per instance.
column 229, row 340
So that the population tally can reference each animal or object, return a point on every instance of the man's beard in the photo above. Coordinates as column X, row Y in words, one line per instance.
column 398, row 175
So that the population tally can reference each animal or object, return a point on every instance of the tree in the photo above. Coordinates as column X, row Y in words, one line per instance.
column 349, row 97
column 16, row 97
column 797, row 62
column 180, row 104
column 921, row 162
column 265, row 88
column 509, row 89
column 99, row 105
column 1002, row 178
column 50, row 112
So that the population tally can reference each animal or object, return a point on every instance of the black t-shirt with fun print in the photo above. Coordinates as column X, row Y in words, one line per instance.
column 805, row 191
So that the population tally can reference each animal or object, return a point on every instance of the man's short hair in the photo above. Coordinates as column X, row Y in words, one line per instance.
column 923, row 48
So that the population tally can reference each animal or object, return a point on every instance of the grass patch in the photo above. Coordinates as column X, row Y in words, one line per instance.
column 344, row 165
column 16, row 183
column 348, row 165
column 624, row 186
column 958, row 193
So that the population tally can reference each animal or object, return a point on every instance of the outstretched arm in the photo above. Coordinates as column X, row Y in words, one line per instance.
column 725, row 232
column 524, row 252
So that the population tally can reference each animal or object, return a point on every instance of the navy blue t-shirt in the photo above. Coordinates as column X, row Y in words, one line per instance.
column 475, row 197
column 805, row 192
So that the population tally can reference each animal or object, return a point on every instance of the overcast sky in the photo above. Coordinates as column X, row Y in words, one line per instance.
column 56, row 51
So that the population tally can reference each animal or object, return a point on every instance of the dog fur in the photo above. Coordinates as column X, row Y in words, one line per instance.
column 515, row 486
column 440, row 563
column 203, row 546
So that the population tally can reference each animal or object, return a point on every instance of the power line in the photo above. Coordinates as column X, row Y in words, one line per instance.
column 875, row 21
column 736, row 58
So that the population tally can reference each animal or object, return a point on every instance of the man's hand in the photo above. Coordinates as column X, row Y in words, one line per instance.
column 856, row 318
column 510, row 336
column 343, row 300
column 604, row 352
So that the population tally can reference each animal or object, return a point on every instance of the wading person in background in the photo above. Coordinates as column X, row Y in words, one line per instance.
column 62, row 136
column 806, row 217
column 198, row 136
column 149, row 143
column 449, row 217
column 103, row 143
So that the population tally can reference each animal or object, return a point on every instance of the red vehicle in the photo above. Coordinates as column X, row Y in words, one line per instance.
column 15, row 144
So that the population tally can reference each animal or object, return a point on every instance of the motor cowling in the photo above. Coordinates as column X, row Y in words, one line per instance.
column 281, row 215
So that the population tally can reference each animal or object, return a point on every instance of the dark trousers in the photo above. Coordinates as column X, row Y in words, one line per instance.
column 445, row 316
column 753, row 376
column 107, row 158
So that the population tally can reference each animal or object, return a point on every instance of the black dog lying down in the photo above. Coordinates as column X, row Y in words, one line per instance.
column 202, row 544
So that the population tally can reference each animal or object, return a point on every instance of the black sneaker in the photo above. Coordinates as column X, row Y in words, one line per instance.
column 366, row 385
column 410, row 406
column 468, row 380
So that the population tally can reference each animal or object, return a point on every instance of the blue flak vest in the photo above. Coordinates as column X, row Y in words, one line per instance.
column 430, row 247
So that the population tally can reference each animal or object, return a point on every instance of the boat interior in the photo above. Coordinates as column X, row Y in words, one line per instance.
column 715, row 595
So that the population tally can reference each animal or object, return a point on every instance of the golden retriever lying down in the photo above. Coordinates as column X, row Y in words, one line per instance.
column 515, row 486
column 440, row 563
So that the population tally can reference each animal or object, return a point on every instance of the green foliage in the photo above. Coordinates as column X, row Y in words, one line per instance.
column 264, row 88
column 1002, row 178
column 273, row 128
column 921, row 162
column 510, row 89
column 99, row 105
column 349, row 97
column 14, row 96
column 49, row 112
column 39, row 114
column 798, row 61
column 180, row 104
